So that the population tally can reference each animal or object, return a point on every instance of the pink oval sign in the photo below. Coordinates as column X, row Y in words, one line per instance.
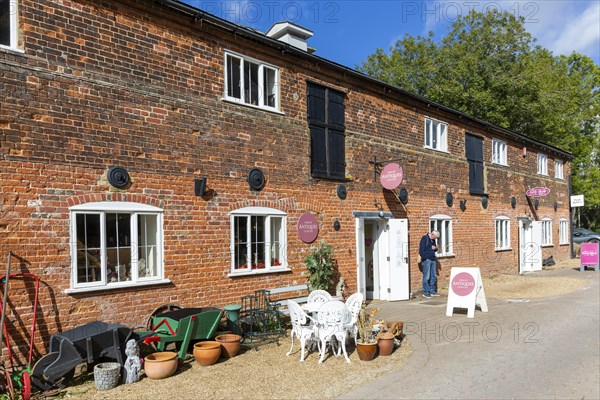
column 391, row 176
column 538, row 192
column 308, row 227
column 463, row 284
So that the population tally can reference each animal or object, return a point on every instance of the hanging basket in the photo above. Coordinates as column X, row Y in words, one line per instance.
column 106, row 375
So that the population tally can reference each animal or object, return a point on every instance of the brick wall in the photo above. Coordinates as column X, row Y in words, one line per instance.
column 130, row 83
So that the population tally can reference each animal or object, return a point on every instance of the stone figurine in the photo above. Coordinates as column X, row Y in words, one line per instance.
column 339, row 289
column 133, row 365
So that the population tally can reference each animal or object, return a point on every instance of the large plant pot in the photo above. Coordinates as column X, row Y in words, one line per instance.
column 230, row 343
column 106, row 375
column 207, row 353
column 160, row 365
column 385, row 344
column 366, row 351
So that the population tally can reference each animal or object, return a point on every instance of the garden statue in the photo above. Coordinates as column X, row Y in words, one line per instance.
column 133, row 366
column 339, row 289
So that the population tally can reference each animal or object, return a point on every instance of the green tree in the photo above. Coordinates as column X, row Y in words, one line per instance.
column 490, row 67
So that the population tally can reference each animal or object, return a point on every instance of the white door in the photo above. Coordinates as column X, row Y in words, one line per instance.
column 398, row 267
column 530, row 246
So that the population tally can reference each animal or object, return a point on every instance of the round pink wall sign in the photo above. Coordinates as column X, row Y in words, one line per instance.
column 463, row 284
column 391, row 176
column 308, row 227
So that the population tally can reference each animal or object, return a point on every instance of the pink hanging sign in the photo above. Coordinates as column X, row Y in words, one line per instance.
column 538, row 192
column 308, row 227
column 391, row 176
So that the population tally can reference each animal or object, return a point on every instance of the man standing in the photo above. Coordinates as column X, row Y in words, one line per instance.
column 427, row 249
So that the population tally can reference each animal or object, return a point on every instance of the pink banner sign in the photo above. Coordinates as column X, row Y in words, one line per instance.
column 538, row 192
column 463, row 284
column 308, row 227
column 589, row 254
column 391, row 176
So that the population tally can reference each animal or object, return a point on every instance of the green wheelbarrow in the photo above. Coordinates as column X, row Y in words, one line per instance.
column 181, row 326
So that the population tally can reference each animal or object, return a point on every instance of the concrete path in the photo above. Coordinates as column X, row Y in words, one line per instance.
column 543, row 348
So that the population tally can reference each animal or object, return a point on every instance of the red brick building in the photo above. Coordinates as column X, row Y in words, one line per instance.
column 170, row 95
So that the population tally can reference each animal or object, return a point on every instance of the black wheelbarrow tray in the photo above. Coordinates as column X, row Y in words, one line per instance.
column 183, row 325
column 85, row 344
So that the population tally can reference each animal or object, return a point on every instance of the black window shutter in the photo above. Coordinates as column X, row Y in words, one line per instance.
column 316, row 103
column 318, row 151
column 337, row 154
column 474, row 153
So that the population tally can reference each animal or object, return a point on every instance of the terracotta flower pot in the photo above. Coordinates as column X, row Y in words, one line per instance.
column 366, row 351
column 160, row 365
column 207, row 353
column 230, row 343
column 386, row 344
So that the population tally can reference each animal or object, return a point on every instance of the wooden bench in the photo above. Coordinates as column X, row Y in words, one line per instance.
column 283, row 294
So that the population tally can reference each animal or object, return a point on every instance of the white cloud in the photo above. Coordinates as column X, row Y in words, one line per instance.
column 565, row 26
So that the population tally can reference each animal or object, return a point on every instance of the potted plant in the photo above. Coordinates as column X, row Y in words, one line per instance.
column 366, row 343
column 320, row 265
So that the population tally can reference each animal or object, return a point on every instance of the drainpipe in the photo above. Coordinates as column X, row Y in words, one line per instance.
column 571, row 220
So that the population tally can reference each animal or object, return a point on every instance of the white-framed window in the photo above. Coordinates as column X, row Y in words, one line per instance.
column 115, row 244
column 499, row 152
column 9, row 20
column 258, row 240
column 251, row 82
column 442, row 224
column 542, row 164
column 558, row 169
column 436, row 135
column 563, row 231
column 546, row 232
column 502, row 233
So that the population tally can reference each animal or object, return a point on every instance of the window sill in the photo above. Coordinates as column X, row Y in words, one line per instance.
column 438, row 150
column 547, row 245
column 445, row 255
column 239, row 103
column 257, row 272
column 504, row 249
column 13, row 50
column 117, row 286
column 499, row 164
column 563, row 244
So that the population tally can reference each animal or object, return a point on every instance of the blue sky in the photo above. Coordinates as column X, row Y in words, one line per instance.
column 348, row 31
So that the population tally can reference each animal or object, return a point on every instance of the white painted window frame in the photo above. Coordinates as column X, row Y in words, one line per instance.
column 268, row 213
column 13, row 26
column 502, row 233
column 558, row 169
column 563, row 231
column 542, row 164
column 261, row 67
column 546, row 232
column 439, row 129
column 102, row 208
column 443, row 224
column 499, row 152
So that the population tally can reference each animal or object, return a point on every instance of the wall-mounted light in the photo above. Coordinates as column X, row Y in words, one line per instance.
column 555, row 205
column 200, row 186
column 449, row 199
column 524, row 151
column 463, row 205
column 484, row 202
column 536, row 203
column 513, row 202
column 403, row 196
column 336, row 225
column 379, row 206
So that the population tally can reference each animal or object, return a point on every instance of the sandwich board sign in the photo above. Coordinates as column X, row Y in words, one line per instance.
column 466, row 291
column 589, row 256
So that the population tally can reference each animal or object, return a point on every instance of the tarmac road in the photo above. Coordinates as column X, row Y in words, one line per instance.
column 542, row 348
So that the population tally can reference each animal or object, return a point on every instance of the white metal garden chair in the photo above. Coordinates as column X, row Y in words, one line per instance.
column 302, row 327
column 333, row 318
column 318, row 296
column 354, row 303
